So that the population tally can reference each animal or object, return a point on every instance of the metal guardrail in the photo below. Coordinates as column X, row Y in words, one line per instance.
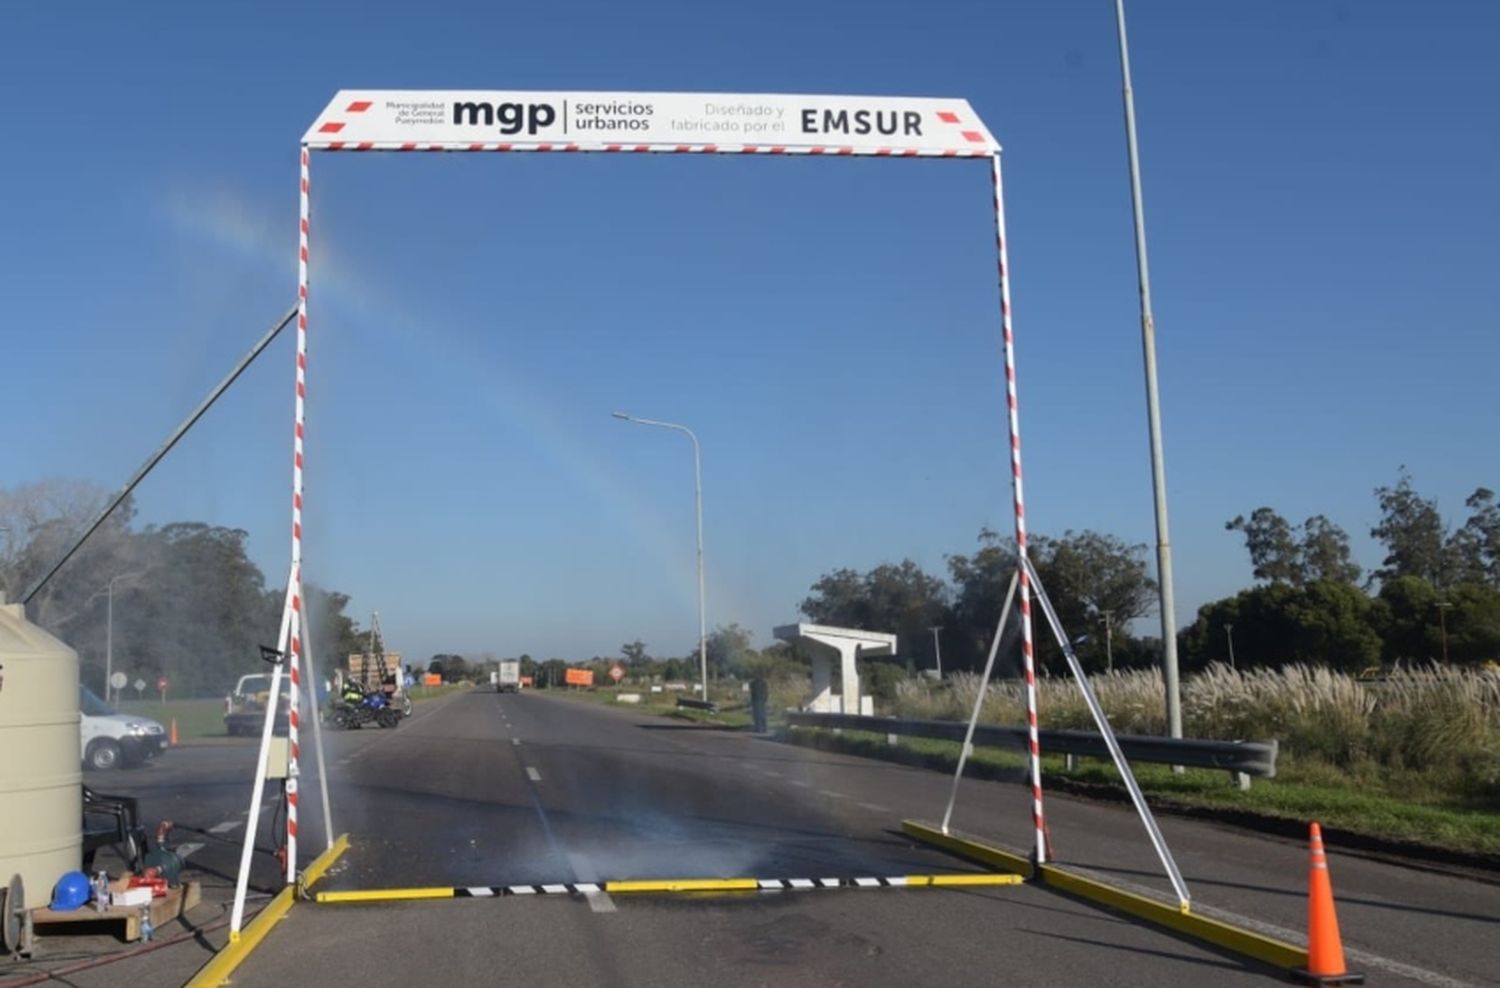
column 1242, row 758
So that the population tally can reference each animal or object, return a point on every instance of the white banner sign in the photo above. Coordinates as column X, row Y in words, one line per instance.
column 448, row 120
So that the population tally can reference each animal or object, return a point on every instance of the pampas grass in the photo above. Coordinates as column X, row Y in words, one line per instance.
column 1442, row 720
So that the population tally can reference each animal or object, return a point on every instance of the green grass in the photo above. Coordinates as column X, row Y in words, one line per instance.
column 195, row 718
column 732, row 712
column 1388, row 806
column 421, row 694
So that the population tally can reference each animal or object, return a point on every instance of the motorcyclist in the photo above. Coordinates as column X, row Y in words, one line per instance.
column 353, row 692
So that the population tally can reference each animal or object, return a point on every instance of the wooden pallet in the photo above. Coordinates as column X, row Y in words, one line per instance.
column 126, row 920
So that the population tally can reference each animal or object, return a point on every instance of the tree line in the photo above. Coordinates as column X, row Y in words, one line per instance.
column 1434, row 597
column 190, row 605
column 188, row 602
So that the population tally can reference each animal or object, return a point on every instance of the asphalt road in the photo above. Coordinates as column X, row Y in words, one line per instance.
column 484, row 789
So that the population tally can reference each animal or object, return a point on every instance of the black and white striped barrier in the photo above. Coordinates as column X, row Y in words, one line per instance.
column 668, row 885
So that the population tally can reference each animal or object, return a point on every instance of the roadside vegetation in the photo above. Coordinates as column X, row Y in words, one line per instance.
column 181, row 600
column 195, row 718
column 734, row 710
column 1413, row 756
column 1412, row 759
column 1380, row 684
column 421, row 694
column 1440, row 725
column 1414, row 819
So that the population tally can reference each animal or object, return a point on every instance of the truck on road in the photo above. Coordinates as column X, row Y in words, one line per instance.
column 379, row 670
column 245, row 705
column 508, row 678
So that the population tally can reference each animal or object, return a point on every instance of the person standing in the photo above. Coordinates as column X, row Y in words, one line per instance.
column 760, row 693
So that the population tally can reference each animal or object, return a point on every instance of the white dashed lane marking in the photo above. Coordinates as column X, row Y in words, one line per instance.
column 533, row 774
column 598, row 900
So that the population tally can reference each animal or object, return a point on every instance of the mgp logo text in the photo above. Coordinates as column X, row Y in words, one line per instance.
column 510, row 118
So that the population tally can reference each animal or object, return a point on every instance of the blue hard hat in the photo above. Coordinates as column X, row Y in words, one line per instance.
column 71, row 892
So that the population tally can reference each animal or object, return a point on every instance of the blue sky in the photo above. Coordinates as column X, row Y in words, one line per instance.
column 1322, row 216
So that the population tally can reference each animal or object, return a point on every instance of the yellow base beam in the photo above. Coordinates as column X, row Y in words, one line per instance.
column 1226, row 936
column 320, row 865
column 386, row 895
column 222, row 964
column 961, row 881
column 973, row 850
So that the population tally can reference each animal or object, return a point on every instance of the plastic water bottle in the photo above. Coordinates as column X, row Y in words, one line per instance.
column 146, row 928
column 101, row 892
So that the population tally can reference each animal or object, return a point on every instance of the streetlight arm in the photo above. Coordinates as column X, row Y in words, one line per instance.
column 109, row 587
column 663, row 425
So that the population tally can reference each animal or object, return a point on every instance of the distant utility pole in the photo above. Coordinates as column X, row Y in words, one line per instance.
column 1442, row 607
column 1229, row 633
column 109, row 631
column 1153, row 409
column 1109, row 640
column 937, row 649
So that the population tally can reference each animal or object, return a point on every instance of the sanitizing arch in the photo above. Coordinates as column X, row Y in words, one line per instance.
column 628, row 123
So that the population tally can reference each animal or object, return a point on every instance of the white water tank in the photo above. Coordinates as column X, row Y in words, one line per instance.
column 41, row 824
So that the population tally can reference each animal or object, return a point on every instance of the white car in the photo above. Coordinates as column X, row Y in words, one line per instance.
column 111, row 739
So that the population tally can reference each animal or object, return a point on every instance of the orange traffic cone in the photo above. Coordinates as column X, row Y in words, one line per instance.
column 172, row 735
column 1325, row 950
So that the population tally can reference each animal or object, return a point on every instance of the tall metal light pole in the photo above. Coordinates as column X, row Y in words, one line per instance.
column 1153, row 411
column 1109, row 640
column 1442, row 607
column 937, row 649
column 4, row 530
column 1229, row 633
column 698, row 505
column 109, row 631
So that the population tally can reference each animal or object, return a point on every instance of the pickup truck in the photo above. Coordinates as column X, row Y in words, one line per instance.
column 245, row 707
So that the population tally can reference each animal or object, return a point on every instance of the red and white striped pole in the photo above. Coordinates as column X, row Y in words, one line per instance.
column 1028, row 651
column 294, row 652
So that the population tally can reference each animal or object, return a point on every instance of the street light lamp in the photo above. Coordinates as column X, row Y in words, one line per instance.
column 698, row 506
column 937, row 649
column 109, row 630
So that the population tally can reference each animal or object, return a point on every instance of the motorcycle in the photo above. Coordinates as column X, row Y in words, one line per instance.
column 357, row 707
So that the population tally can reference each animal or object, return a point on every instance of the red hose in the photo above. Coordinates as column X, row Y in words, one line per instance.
column 42, row 977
